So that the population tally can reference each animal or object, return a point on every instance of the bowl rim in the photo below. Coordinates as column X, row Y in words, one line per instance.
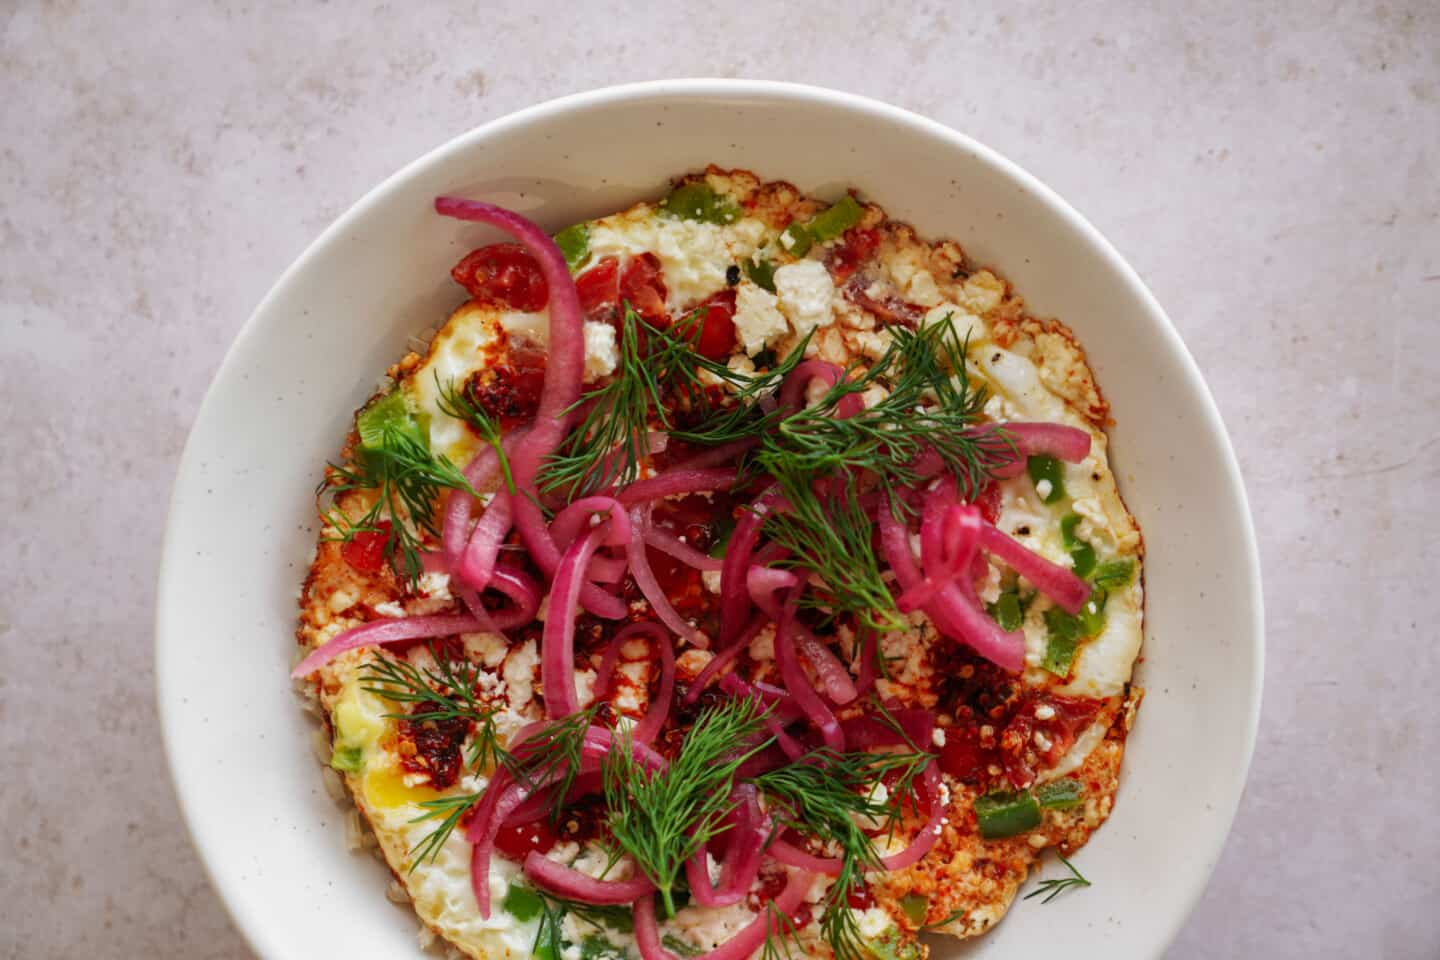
column 254, row 928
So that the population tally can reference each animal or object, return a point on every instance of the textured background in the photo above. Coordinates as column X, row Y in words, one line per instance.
column 1272, row 173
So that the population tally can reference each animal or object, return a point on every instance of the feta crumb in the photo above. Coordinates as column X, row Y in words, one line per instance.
column 758, row 320
column 1038, row 840
column 602, row 354
column 1042, row 741
column 711, row 579
column 937, row 737
column 1044, row 488
column 805, row 295
column 1044, row 712
column 390, row 608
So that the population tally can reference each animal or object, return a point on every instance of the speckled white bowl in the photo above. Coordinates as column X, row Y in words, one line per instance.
column 241, row 524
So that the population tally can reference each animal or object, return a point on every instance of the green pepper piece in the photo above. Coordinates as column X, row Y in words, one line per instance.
column 1064, row 631
column 835, row 219
column 1002, row 813
column 1046, row 469
column 574, row 243
column 389, row 413
column 1059, row 794
column 1081, row 552
column 1112, row 574
column 915, row 906
column 348, row 759
column 796, row 240
column 891, row 946
column 522, row 903
column 1092, row 614
column 697, row 201
column 1007, row 612
column 761, row 273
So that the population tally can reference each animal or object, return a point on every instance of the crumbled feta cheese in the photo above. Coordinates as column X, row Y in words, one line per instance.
column 1044, row 488
column 602, row 354
column 519, row 672
column 758, row 320
column 435, row 585
column 805, row 293
column 1044, row 712
column 937, row 736
column 873, row 922
column 1042, row 741
column 711, row 579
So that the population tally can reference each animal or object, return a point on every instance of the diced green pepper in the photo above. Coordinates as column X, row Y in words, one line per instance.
column 1064, row 632
column 1007, row 612
column 522, row 903
column 761, row 273
column 835, row 219
column 1092, row 614
column 796, row 240
column 1081, row 552
column 1113, row 573
column 386, row 415
column 697, row 201
column 915, row 906
column 1059, row 794
column 348, row 759
column 1001, row 813
column 891, row 946
column 1045, row 473
column 574, row 243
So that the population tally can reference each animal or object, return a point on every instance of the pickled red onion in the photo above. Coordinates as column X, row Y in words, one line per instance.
column 574, row 885
column 738, row 947
column 377, row 633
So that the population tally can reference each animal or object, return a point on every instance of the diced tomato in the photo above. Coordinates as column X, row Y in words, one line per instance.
column 717, row 331
column 988, row 500
column 517, row 841
column 855, row 247
column 643, row 287
column 961, row 756
column 504, row 274
column 860, row 898
column 365, row 551
column 599, row 289
column 1071, row 716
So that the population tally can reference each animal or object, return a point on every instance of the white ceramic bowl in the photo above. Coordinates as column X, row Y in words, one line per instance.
column 242, row 528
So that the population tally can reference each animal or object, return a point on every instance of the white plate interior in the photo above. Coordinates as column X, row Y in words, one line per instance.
column 241, row 526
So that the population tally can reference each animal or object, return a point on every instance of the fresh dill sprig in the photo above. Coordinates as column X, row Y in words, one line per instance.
column 828, row 795
column 779, row 933
column 831, row 536
column 613, row 437
column 660, row 379
column 662, row 817
column 821, row 459
column 552, row 755
column 550, row 935
column 450, row 811
column 1055, row 886
column 945, row 921
column 393, row 458
column 457, row 402
column 446, row 693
